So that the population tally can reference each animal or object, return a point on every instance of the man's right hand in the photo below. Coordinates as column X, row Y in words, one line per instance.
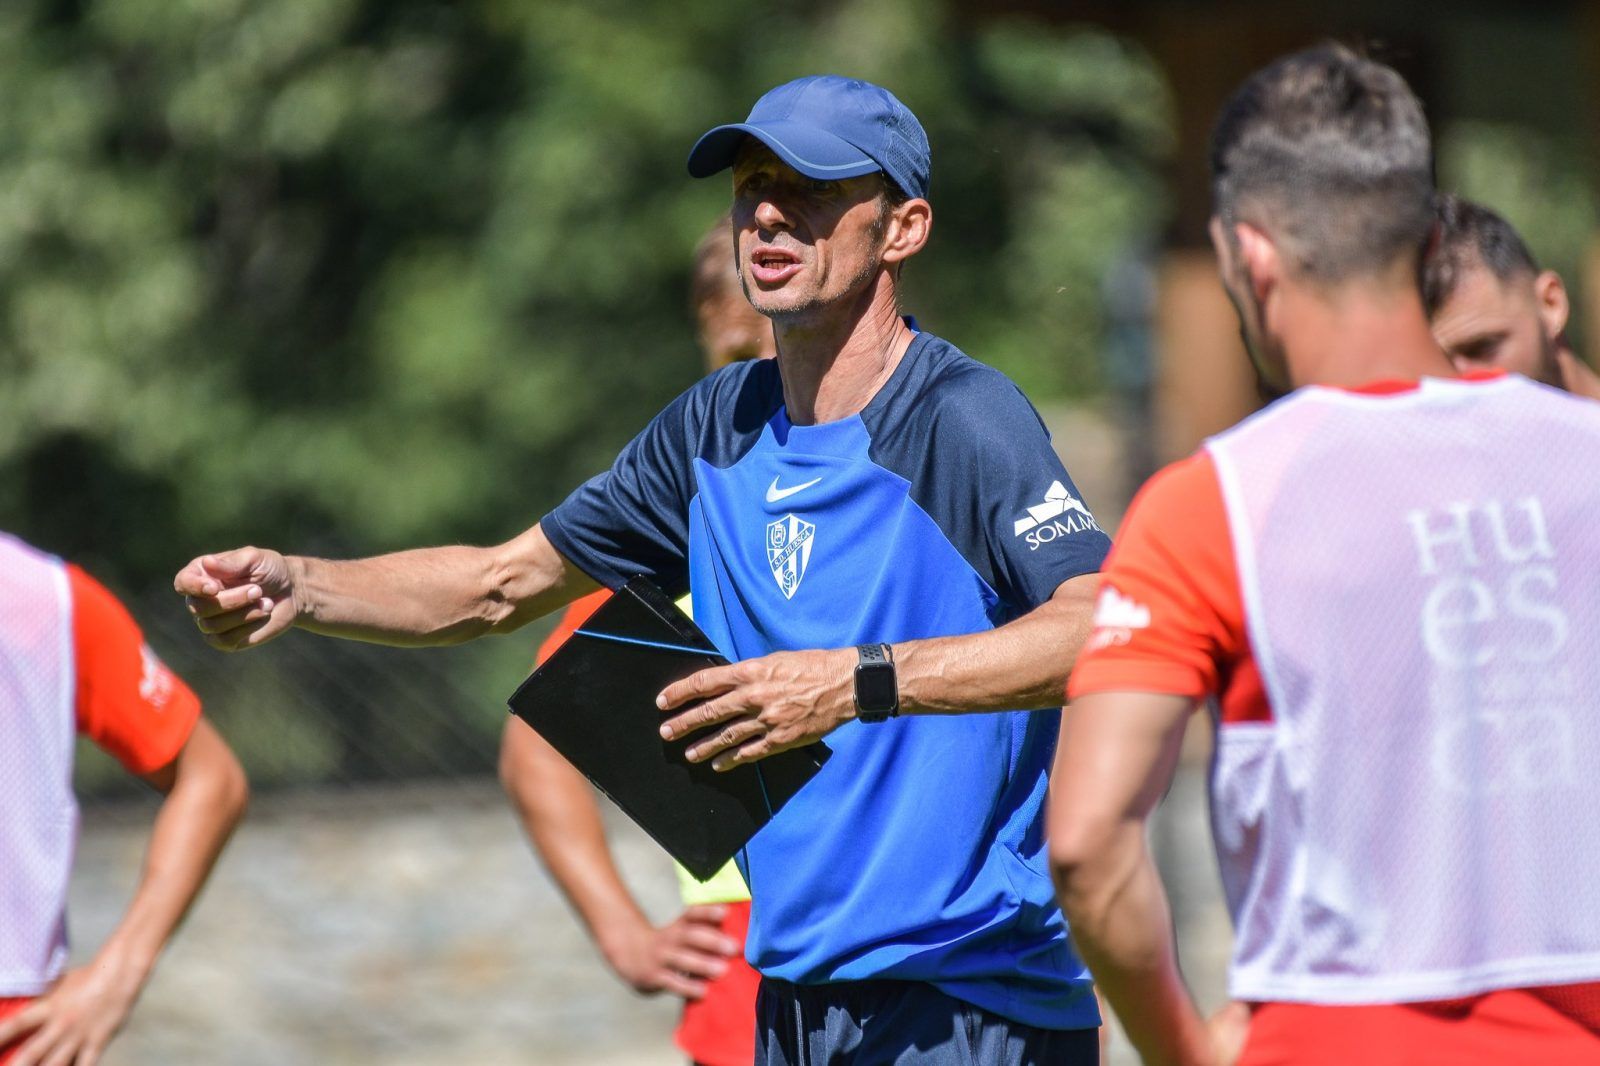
column 239, row 598
column 679, row 957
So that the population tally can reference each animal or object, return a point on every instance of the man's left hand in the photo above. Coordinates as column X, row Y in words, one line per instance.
column 75, row 1020
column 1229, row 1029
column 766, row 705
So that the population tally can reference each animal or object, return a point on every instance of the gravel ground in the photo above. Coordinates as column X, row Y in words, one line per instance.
column 412, row 927
column 407, row 927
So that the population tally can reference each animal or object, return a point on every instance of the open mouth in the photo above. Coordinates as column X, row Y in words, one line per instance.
column 771, row 266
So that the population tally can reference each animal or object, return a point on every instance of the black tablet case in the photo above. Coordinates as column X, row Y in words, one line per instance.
column 594, row 701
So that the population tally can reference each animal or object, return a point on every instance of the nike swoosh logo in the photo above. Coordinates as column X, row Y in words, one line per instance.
column 774, row 493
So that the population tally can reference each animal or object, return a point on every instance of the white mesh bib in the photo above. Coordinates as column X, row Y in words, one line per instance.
column 38, row 812
column 1421, row 581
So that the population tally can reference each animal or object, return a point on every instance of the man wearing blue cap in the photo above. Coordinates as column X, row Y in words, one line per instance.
column 872, row 491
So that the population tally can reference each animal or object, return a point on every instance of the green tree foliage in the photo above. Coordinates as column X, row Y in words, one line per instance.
column 344, row 276
column 1542, row 183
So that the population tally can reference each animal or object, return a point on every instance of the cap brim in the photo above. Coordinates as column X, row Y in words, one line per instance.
column 814, row 152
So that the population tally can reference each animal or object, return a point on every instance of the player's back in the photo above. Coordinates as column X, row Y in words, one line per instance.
column 1421, row 581
column 38, row 813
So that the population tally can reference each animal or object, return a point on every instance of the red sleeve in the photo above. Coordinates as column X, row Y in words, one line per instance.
column 128, row 702
column 578, row 612
column 1170, row 617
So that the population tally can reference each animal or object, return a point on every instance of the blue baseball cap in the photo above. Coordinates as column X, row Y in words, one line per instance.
column 827, row 127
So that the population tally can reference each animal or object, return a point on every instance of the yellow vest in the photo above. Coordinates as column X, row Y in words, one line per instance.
column 726, row 885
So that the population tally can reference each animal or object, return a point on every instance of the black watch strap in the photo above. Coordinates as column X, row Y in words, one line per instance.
column 877, row 688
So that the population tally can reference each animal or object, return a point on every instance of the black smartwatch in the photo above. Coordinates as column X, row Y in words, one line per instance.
column 877, row 690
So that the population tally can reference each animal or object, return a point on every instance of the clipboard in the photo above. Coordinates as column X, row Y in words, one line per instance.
column 594, row 702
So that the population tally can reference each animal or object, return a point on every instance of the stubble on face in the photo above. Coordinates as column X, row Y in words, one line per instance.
column 1490, row 324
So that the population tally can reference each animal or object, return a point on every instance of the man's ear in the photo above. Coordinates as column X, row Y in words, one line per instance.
column 910, row 225
column 1554, row 307
column 1435, row 239
column 1259, row 259
column 1227, row 255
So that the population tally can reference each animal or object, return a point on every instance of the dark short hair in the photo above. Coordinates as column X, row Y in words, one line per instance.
column 1329, row 152
column 1470, row 233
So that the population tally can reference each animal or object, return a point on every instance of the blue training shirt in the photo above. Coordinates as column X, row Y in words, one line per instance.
column 941, row 509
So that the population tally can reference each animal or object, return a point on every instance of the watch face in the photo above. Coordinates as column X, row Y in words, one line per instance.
column 876, row 690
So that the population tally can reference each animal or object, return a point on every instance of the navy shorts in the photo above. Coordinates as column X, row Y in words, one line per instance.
column 901, row 1023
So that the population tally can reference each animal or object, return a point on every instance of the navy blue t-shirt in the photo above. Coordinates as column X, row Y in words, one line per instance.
column 941, row 509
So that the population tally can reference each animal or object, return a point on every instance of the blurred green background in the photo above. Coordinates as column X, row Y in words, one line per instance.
column 343, row 277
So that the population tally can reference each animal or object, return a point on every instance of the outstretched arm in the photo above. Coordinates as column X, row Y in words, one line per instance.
column 205, row 798
column 559, row 812
column 443, row 595
column 787, row 699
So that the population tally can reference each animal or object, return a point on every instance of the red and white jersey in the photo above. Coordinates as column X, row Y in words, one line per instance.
column 1392, row 596
column 38, row 812
column 1421, row 581
column 71, row 661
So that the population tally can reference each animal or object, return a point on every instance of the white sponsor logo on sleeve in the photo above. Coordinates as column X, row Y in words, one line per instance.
column 1115, row 618
column 1060, row 515
column 155, row 681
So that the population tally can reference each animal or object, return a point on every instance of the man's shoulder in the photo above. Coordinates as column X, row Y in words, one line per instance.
column 947, row 387
column 17, row 548
column 941, row 367
column 1577, row 377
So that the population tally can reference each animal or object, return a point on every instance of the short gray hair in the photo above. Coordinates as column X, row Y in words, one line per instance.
column 1329, row 152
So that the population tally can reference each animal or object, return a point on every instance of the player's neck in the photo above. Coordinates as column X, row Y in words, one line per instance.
column 834, row 363
column 1359, row 333
column 1576, row 375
